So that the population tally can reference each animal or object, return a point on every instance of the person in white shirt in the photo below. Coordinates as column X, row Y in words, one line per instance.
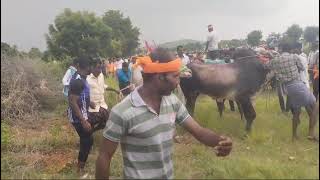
column 119, row 63
column 212, row 44
column 303, row 58
column 136, row 73
column 98, row 112
column 67, row 77
column 118, row 66
column 185, row 59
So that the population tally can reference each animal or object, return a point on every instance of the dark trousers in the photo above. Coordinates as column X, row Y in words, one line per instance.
column 97, row 121
column 213, row 54
column 86, row 142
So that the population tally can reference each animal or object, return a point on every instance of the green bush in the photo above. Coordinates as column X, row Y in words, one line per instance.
column 5, row 135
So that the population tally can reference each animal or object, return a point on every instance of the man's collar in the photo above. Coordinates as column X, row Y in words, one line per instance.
column 136, row 99
column 92, row 76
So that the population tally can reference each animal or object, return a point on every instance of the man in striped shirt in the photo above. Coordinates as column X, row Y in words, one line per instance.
column 144, row 122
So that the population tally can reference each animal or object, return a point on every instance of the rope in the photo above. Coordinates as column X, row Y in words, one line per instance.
column 126, row 87
column 120, row 96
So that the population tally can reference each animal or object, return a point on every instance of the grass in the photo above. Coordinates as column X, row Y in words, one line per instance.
column 50, row 150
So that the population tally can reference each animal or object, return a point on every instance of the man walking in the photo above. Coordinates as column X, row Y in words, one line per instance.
column 144, row 124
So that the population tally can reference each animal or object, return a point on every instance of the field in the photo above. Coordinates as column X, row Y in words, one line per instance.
column 49, row 149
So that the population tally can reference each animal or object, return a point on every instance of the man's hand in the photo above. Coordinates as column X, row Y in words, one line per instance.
column 224, row 146
column 86, row 125
column 92, row 105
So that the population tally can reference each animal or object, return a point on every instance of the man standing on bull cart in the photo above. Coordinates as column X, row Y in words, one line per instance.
column 212, row 44
column 286, row 68
column 144, row 123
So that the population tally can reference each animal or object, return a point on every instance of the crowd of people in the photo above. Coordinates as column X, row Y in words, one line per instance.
column 84, row 88
column 144, row 121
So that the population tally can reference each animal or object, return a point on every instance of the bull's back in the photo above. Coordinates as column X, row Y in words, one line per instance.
column 216, row 80
column 226, row 80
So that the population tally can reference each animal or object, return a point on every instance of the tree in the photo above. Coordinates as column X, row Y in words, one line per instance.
column 311, row 34
column 124, row 34
column 197, row 46
column 294, row 33
column 273, row 39
column 7, row 50
column 78, row 33
column 116, row 47
column 35, row 53
column 233, row 43
column 223, row 44
column 254, row 38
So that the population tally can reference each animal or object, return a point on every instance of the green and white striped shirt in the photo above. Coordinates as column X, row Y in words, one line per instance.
column 146, row 137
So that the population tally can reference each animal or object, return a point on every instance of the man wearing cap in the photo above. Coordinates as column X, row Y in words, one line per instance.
column 212, row 44
column 144, row 122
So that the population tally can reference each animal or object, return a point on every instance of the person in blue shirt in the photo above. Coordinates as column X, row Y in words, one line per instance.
column 124, row 76
column 79, row 102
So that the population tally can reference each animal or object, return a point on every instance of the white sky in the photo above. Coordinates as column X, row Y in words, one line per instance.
column 24, row 22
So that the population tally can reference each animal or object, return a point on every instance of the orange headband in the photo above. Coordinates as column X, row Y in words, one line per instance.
column 156, row 67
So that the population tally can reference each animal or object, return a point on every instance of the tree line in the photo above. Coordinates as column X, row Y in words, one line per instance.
column 78, row 33
column 293, row 34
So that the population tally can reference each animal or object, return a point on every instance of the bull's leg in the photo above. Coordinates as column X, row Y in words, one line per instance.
column 231, row 103
column 240, row 109
column 249, row 112
column 220, row 105
column 312, row 112
column 191, row 102
column 295, row 122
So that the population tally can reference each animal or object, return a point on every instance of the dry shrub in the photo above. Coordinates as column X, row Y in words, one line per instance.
column 27, row 86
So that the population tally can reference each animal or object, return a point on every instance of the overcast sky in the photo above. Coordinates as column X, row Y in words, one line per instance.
column 24, row 22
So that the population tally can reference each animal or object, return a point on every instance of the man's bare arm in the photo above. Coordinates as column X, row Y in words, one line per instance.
column 203, row 135
column 112, row 89
column 73, row 99
column 107, row 149
column 222, row 144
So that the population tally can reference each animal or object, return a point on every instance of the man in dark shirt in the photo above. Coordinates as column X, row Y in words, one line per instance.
column 79, row 102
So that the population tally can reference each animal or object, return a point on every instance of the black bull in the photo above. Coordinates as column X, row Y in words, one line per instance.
column 237, row 81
